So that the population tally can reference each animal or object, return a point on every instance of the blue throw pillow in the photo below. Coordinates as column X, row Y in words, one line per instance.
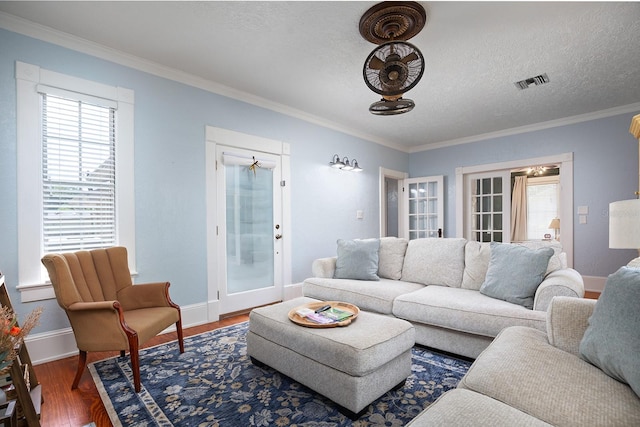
column 612, row 339
column 357, row 259
column 515, row 272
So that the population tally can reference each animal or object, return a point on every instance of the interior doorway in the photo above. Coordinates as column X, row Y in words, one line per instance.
column 392, row 215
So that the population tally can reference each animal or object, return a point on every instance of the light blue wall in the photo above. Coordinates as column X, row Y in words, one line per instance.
column 170, row 120
column 605, row 167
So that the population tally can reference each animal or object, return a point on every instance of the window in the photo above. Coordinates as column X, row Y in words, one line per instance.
column 79, row 195
column 78, row 175
column 543, row 196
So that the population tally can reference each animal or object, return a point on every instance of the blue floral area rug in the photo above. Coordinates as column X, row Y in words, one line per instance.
column 213, row 383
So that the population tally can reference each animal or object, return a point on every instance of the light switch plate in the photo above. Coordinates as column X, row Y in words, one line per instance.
column 359, row 214
column 583, row 210
column 583, row 219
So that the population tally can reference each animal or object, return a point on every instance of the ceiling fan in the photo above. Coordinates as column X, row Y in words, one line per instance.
column 395, row 66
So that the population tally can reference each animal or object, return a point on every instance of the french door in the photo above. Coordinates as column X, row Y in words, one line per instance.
column 424, row 206
column 489, row 206
column 248, row 203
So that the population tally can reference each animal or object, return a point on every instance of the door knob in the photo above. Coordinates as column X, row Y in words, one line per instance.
column 278, row 236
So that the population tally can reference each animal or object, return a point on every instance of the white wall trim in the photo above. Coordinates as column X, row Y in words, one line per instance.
column 565, row 162
column 594, row 283
column 623, row 109
column 32, row 276
column 382, row 197
column 53, row 345
column 37, row 31
column 40, row 32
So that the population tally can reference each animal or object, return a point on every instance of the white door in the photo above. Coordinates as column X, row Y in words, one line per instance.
column 488, row 207
column 250, row 228
column 424, row 205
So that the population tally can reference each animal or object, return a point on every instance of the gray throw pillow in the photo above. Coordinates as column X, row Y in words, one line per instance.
column 357, row 259
column 515, row 272
column 612, row 339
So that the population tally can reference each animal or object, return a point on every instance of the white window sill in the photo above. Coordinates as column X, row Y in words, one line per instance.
column 37, row 292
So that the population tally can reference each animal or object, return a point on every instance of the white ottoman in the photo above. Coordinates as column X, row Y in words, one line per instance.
column 352, row 365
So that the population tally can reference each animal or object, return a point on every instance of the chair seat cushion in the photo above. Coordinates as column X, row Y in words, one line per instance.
column 149, row 322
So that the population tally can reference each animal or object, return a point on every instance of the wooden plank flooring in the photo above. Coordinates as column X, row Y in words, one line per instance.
column 63, row 407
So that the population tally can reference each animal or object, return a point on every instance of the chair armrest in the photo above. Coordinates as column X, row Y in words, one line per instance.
column 567, row 321
column 145, row 296
column 324, row 267
column 99, row 326
column 565, row 282
column 94, row 306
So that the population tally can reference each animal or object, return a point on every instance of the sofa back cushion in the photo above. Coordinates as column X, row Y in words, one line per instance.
column 357, row 259
column 391, row 257
column 434, row 261
column 515, row 272
column 612, row 341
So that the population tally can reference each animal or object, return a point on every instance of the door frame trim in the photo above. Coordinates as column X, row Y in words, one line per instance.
column 564, row 162
column 382, row 196
column 213, row 138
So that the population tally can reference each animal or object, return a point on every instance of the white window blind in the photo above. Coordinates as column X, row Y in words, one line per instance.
column 78, row 175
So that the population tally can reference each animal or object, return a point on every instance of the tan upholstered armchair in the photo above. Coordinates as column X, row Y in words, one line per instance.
column 106, row 311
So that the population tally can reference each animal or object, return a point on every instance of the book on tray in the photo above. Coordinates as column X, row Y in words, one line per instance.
column 331, row 315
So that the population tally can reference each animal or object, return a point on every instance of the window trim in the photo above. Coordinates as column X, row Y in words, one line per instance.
column 31, row 283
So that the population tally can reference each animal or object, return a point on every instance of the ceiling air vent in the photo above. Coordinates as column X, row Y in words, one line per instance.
column 537, row 80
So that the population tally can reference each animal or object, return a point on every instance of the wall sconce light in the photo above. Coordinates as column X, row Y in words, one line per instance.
column 344, row 164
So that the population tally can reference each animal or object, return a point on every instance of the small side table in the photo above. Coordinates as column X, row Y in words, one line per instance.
column 8, row 414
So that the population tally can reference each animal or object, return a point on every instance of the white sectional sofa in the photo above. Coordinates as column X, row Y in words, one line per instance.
column 458, row 294
column 531, row 378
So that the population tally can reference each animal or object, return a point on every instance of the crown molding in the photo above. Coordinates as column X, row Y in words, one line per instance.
column 49, row 35
column 624, row 109
column 31, row 29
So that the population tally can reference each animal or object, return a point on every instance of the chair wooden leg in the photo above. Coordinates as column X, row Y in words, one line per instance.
column 82, row 363
column 180, row 336
column 135, row 361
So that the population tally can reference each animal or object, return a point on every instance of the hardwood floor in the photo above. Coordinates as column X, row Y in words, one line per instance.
column 63, row 407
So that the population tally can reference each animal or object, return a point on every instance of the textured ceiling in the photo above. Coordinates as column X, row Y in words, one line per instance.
column 306, row 58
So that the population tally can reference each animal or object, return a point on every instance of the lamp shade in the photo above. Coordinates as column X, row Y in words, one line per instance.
column 624, row 224
column 555, row 224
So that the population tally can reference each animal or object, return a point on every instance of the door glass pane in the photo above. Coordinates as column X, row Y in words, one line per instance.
column 487, row 209
column 249, row 212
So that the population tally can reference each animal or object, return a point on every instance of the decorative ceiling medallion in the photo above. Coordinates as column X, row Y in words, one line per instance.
column 391, row 20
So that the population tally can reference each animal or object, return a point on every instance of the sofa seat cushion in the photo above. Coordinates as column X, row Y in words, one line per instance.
column 460, row 407
column 376, row 296
column 521, row 369
column 464, row 310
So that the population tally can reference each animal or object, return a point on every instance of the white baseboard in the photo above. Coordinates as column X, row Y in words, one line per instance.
column 292, row 291
column 594, row 283
column 58, row 344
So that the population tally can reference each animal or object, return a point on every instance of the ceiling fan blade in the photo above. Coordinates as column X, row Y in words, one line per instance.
column 376, row 63
column 411, row 57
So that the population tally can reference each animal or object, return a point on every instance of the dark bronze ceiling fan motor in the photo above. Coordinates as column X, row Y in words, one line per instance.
column 395, row 66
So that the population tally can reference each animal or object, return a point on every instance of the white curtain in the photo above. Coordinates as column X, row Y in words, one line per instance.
column 519, row 210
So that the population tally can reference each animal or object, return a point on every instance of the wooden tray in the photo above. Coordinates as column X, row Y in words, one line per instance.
column 302, row 321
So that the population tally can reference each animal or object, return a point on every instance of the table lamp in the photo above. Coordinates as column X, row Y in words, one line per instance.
column 555, row 226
